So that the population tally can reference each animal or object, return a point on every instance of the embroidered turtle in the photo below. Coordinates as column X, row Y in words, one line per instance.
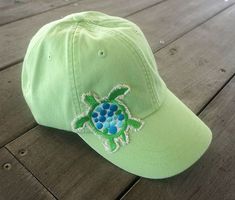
column 109, row 118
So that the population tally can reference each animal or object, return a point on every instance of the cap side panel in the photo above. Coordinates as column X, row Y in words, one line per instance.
column 45, row 77
column 131, row 32
column 134, row 48
column 118, row 65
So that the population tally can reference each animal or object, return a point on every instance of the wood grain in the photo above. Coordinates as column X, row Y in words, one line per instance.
column 158, row 22
column 15, row 116
column 213, row 176
column 168, row 21
column 196, row 65
column 18, row 9
column 16, row 36
column 17, row 183
column 68, row 167
column 81, row 170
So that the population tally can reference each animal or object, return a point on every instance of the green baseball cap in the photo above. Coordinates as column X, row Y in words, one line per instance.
column 96, row 75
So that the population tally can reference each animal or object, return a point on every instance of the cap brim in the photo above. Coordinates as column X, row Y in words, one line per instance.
column 171, row 140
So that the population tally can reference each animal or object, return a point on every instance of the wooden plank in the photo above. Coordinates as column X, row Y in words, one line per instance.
column 15, row 116
column 168, row 21
column 83, row 161
column 196, row 65
column 16, row 36
column 213, row 176
column 68, row 167
column 5, row 4
column 17, row 183
column 18, row 9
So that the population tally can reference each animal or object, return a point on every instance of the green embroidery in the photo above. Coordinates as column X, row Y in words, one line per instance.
column 118, row 92
column 81, row 122
column 90, row 100
column 108, row 118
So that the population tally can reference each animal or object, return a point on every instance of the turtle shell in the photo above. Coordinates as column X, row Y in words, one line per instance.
column 109, row 118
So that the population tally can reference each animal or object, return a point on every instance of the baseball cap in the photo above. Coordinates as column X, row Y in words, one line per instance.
column 95, row 75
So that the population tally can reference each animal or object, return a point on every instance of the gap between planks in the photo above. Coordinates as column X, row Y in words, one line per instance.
column 196, row 26
column 43, row 11
column 145, row 8
column 29, row 172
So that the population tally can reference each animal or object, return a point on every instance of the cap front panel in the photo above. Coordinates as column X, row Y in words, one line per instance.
column 103, row 61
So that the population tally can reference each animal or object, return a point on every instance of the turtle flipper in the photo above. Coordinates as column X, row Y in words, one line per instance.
column 110, row 145
column 119, row 90
column 89, row 99
column 124, row 138
column 80, row 122
column 136, row 124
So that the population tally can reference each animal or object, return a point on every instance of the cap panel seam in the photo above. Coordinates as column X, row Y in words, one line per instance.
column 149, row 85
column 73, row 77
column 146, row 72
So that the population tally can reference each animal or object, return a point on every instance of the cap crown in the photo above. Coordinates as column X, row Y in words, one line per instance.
column 88, row 52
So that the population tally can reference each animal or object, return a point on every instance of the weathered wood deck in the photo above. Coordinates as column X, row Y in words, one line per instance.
column 196, row 58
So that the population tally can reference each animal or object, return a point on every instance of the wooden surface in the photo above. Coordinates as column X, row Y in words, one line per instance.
column 15, row 116
column 13, row 10
column 195, row 58
column 82, row 173
column 17, row 182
